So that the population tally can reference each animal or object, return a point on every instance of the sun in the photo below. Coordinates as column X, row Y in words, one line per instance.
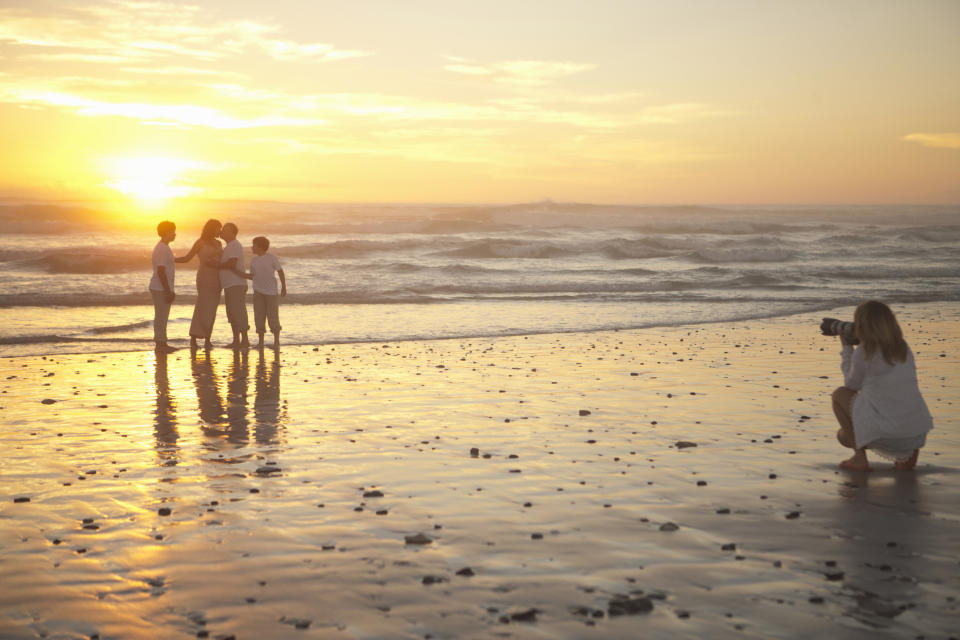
column 151, row 179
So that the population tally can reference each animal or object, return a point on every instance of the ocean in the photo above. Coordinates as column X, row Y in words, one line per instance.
column 383, row 273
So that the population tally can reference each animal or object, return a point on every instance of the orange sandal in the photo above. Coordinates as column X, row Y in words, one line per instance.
column 852, row 466
column 908, row 463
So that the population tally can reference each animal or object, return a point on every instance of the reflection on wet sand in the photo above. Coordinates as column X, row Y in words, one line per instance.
column 237, row 421
column 165, row 414
column 881, row 576
column 269, row 413
column 210, row 403
column 230, row 418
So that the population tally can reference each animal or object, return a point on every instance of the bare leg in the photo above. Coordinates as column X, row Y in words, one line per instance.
column 276, row 339
column 244, row 340
column 842, row 403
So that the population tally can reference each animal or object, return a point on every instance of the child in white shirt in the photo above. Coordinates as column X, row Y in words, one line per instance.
column 266, row 301
column 161, row 284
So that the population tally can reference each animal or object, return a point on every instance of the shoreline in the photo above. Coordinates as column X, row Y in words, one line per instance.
column 678, row 480
column 57, row 346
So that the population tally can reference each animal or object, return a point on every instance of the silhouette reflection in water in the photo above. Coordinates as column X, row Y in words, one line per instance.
column 269, row 412
column 237, row 421
column 165, row 415
column 208, row 392
column 229, row 418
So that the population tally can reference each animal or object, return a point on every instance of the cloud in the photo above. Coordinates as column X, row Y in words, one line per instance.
column 520, row 72
column 160, row 114
column 150, row 32
column 940, row 140
column 288, row 51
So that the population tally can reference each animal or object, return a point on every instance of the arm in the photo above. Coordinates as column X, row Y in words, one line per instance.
column 230, row 264
column 162, row 274
column 853, row 367
column 283, row 282
column 193, row 251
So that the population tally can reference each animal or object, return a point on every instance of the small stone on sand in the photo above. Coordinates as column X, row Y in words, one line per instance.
column 417, row 539
column 629, row 606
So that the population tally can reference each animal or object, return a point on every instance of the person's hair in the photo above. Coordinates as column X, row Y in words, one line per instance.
column 231, row 225
column 260, row 241
column 210, row 230
column 877, row 328
column 165, row 227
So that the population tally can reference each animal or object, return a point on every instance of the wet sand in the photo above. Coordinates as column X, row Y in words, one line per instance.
column 658, row 483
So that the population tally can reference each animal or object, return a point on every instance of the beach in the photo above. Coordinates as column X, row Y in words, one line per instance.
column 659, row 482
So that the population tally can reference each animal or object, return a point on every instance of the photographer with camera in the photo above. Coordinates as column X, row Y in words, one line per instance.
column 880, row 406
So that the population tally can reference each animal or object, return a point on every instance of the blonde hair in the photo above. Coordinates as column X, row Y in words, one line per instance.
column 877, row 328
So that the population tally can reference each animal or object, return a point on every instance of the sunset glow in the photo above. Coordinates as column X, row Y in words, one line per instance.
column 150, row 179
column 639, row 102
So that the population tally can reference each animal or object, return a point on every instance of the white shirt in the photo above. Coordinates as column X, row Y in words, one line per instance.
column 162, row 257
column 263, row 268
column 889, row 404
column 227, row 277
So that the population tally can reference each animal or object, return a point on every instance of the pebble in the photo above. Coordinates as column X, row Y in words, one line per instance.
column 22, row 499
column 373, row 494
column 683, row 444
column 297, row 623
column 266, row 471
column 48, row 401
column 417, row 539
column 163, row 511
column 584, row 412
column 466, row 572
column 428, row 580
column 793, row 515
column 629, row 606
column 669, row 526
column 530, row 615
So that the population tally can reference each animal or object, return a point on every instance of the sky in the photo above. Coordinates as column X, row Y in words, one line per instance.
column 606, row 101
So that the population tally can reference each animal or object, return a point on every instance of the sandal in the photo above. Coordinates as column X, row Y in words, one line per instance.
column 852, row 466
column 907, row 464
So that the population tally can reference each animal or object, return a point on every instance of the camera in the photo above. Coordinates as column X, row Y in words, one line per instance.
column 834, row 327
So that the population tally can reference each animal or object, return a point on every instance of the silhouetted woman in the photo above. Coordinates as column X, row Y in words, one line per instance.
column 207, row 248
column 880, row 407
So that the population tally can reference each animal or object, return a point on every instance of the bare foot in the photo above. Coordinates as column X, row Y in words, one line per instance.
column 207, row 344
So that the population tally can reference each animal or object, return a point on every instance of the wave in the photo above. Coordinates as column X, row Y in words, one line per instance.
column 741, row 254
column 91, row 263
column 130, row 326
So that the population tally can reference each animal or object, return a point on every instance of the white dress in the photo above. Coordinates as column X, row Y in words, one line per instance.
column 889, row 413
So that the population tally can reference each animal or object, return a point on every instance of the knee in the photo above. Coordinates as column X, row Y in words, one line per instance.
column 844, row 438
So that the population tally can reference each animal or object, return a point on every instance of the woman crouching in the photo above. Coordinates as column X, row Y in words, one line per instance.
column 880, row 407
